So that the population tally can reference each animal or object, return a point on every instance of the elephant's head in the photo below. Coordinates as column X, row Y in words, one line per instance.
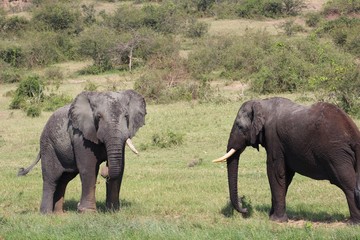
column 247, row 130
column 110, row 118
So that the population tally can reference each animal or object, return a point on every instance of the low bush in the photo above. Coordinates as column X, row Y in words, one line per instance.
column 273, row 64
column 12, row 55
column 55, row 101
column 10, row 75
column 344, row 31
column 341, row 7
column 13, row 25
column 31, row 88
column 197, row 29
column 57, row 16
column 167, row 139
column 312, row 19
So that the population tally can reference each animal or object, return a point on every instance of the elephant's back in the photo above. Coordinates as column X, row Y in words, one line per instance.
column 55, row 135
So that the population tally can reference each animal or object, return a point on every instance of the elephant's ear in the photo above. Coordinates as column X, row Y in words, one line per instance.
column 82, row 117
column 257, row 123
column 136, row 111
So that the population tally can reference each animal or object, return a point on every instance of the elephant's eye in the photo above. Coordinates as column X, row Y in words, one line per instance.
column 99, row 115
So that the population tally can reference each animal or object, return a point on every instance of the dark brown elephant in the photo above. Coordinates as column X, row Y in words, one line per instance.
column 79, row 137
column 318, row 141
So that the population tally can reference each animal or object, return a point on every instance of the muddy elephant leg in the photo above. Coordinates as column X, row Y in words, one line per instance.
column 60, row 191
column 346, row 181
column 47, row 197
column 278, row 185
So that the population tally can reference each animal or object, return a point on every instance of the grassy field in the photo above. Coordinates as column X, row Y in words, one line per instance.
column 167, row 193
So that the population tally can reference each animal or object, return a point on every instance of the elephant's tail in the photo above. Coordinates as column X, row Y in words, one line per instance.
column 357, row 169
column 23, row 171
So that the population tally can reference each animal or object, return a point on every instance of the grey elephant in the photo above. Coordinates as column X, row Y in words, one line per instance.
column 318, row 141
column 78, row 137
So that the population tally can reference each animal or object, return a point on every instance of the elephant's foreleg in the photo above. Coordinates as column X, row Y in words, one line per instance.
column 87, row 165
column 278, row 185
column 60, row 191
column 88, row 186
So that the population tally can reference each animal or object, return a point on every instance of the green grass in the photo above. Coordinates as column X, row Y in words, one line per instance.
column 162, row 197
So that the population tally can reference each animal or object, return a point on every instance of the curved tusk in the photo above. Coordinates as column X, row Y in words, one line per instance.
column 131, row 146
column 225, row 157
column 104, row 171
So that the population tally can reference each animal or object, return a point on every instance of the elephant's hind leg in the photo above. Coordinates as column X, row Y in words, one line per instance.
column 60, row 191
column 47, row 197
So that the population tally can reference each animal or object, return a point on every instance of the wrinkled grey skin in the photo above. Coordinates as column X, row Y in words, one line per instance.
column 79, row 137
column 318, row 141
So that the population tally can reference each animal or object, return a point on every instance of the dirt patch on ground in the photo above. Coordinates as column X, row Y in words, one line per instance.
column 314, row 5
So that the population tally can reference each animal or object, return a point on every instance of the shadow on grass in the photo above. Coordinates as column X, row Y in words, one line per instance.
column 293, row 214
column 71, row 205
column 306, row 214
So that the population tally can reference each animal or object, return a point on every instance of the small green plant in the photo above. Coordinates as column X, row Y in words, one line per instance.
column 246, row 203
column 167, row 139
column 12, row 55
column 33, row 110
column 197, row 29
column 312, row 19
column 55, row 101
column 10, row 75
column 90, row 86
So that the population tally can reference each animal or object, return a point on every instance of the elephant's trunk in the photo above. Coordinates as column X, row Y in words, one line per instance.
column 232, row 169
column 238, row 143
column 115, row 154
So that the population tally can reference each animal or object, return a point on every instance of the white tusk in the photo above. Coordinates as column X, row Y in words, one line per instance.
column 225, row 157
column 104, row 171
column 131, row 146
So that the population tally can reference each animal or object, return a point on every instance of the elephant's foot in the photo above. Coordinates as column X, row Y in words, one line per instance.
column 83, row 209
column 112, row 207
column 354, row 221
column 283, row 218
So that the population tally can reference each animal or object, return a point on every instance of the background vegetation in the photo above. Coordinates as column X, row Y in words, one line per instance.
column 195, row 61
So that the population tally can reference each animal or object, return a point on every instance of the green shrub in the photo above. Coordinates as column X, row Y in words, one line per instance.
column 54, row 75
column 96, row 42
column 167, row 139
column 45, row 48
column 345, row 33
column 165, row 18
column 10, row 75
column 90, row 86
column 197, row 29
column 12, row 55
column 312, row 19
column 293, row 7
column 269, row 8
column 151, row 86
column 31, row 88
column 290, row 27
column 342, row 7
column 55, row 101
column 14, row 24
column 57, row 16
column 33, row 110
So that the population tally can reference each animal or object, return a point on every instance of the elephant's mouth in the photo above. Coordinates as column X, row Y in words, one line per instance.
column 105, row 169
column 225, row 157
